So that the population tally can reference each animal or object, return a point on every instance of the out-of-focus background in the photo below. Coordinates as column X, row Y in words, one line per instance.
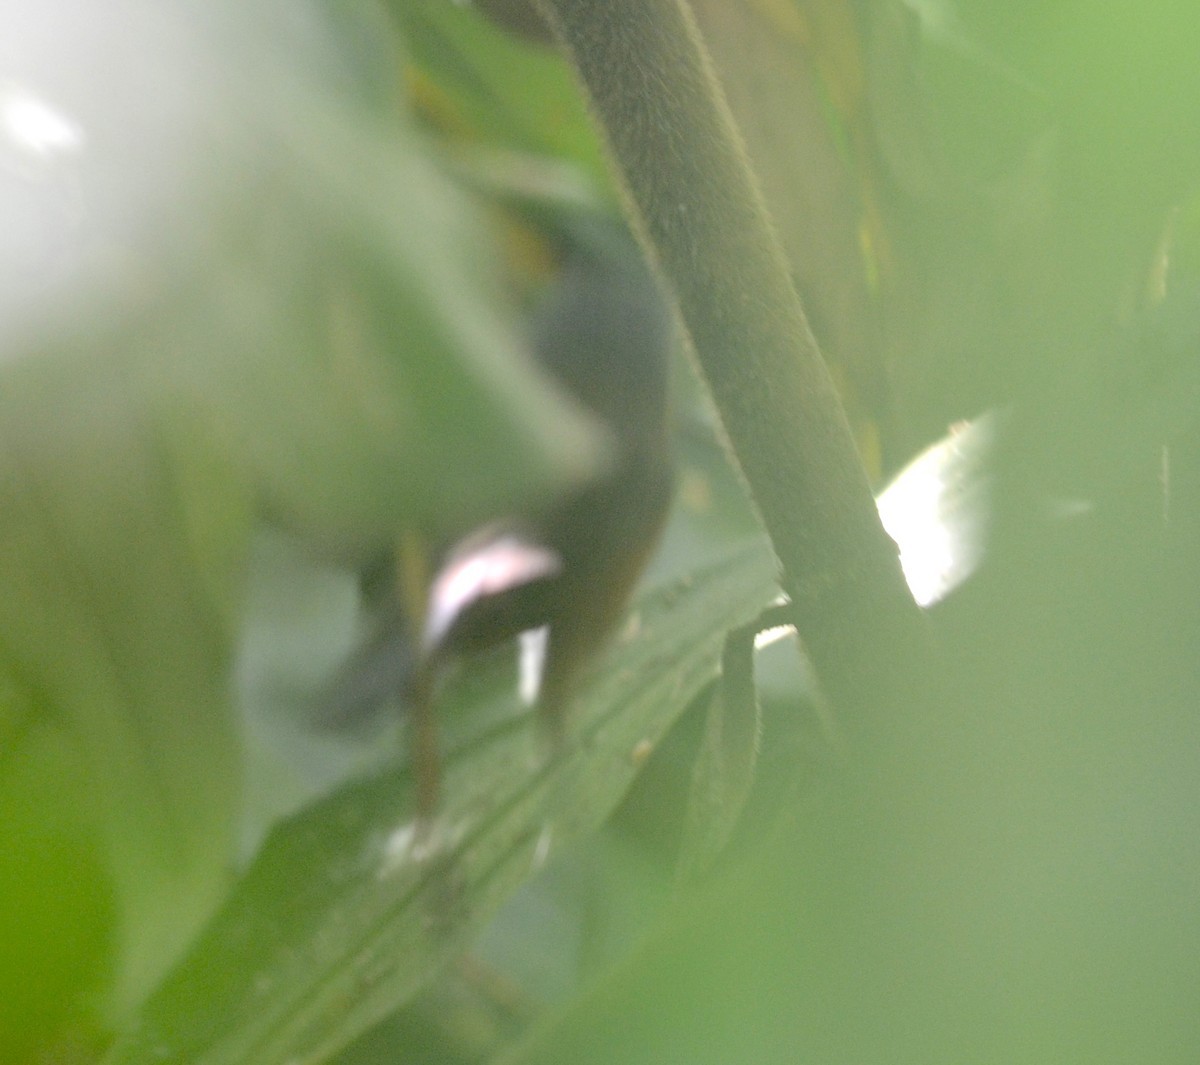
column 269, row 274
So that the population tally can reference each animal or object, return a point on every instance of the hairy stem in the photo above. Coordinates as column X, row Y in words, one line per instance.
column 695, row 203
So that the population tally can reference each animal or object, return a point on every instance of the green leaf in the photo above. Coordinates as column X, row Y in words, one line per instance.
column 344, row 916
column 111, row 610
column 493, row 89
column 230, row 280
column 269, row 249
column 724, row 771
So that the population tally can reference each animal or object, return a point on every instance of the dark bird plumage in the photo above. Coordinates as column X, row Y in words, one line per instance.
column 604, row 334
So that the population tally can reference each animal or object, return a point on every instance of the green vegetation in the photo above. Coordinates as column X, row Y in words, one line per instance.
column 269, row 272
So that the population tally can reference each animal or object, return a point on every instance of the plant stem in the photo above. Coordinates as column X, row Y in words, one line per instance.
column 696, row 206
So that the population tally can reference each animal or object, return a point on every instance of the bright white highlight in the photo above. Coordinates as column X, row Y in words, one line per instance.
column 531, row 663
column 937, row 511
column 35, row 127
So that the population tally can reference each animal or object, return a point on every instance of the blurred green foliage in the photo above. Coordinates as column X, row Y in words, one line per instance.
column 261, row 314
column 237, row 288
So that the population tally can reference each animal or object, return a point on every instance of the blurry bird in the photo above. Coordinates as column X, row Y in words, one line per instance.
column 604, row 334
